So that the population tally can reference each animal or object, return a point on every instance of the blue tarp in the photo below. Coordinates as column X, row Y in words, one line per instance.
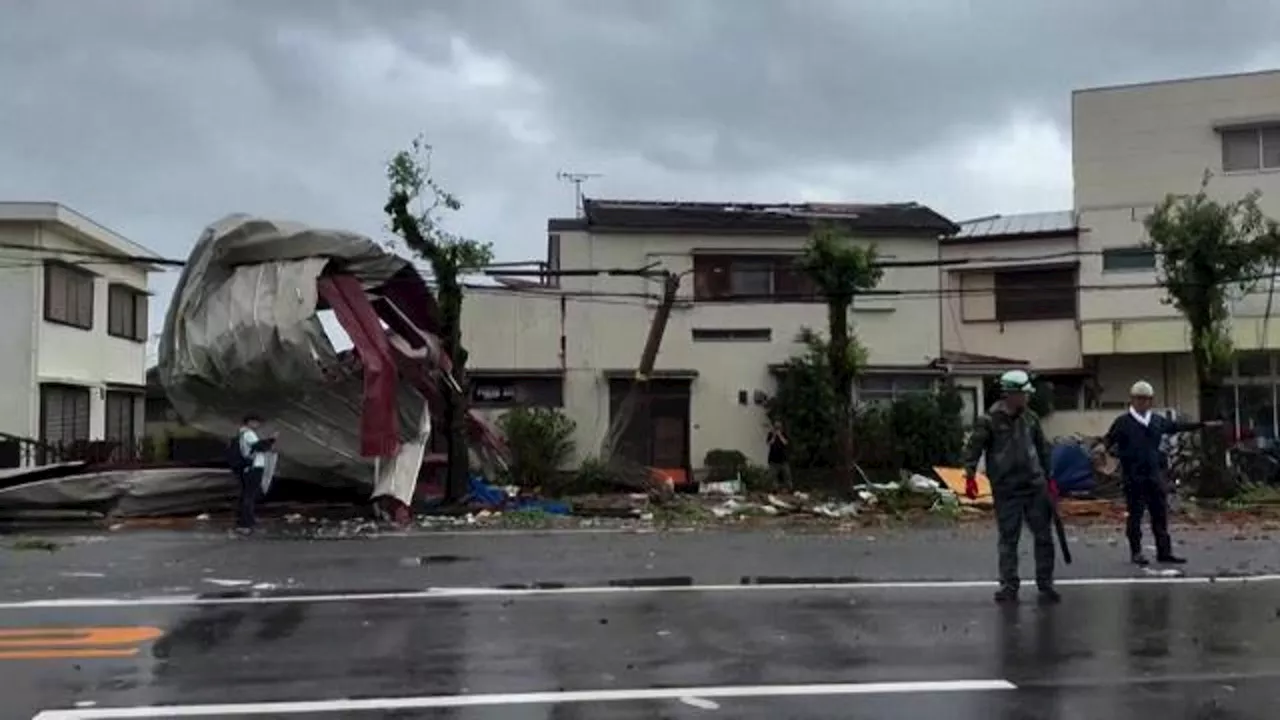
column 480, row 492
column 1073, row 469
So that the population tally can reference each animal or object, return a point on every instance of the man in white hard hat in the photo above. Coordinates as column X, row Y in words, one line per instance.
column 1134, row 438
column 1018, row 465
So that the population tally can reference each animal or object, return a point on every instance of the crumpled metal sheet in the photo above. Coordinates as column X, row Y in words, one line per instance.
column 126, row 493
column 242, row 334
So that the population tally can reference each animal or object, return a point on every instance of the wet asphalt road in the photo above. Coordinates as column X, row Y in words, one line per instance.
column 1115, row 648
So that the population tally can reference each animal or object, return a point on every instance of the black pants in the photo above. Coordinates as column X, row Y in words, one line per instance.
column 1147, row 494
column 250, row 489
column 1032, row 506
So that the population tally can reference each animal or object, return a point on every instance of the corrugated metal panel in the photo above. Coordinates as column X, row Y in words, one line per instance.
column 1063, row 221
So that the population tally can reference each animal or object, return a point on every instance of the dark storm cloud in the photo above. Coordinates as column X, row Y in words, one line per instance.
column 158, row 116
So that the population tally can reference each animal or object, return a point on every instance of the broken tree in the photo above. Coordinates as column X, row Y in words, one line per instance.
column 416, row 206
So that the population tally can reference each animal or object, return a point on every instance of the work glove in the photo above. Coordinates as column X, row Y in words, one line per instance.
column 1053, row 489
column 971, row 487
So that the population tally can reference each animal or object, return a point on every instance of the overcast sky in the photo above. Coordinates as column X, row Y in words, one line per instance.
column 156, row 117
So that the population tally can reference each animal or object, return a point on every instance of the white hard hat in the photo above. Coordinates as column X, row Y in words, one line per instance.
column 1142, row 389
column 1016, row 381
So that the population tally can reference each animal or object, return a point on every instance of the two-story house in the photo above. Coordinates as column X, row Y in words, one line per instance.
column 1132, row 144
column 740, row 307
column 75, row 325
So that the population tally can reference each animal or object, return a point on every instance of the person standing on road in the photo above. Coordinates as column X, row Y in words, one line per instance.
column 1018, row 466
column 1134, row 438
column 779, row 463
column 253, row 451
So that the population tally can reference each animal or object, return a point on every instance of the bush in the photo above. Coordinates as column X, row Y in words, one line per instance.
column 724, row 465
column 540, row 440
column 757, row 478
column 593, row 476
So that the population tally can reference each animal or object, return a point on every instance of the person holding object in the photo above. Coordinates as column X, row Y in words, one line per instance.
column 1018, row 466
column 1134, row 438
column 252, row 451
column 779, row 463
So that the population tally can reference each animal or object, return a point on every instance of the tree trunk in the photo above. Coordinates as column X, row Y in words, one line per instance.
column 842, row 379
column 455, row 415
column 1214, row 480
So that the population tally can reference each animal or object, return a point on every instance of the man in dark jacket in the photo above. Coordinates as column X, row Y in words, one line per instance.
column 1018, row 465
column 1134, row 438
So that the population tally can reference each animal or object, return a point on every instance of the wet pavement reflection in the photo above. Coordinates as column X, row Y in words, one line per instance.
column 1139, row 651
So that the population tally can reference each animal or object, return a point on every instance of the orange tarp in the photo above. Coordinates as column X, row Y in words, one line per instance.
column 954, row 478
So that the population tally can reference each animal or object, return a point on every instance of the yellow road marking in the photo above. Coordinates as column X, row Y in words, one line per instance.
column 88, row 642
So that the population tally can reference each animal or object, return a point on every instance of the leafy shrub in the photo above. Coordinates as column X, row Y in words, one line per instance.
column 593, row 476
column 540, row 441
column 758, row 478
column 724, row 465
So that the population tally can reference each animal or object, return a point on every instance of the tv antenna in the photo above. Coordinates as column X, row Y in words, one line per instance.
column 576, row 179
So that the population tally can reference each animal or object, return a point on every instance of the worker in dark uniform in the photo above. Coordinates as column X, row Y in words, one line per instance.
column 1018, row 466
column 1134, row 438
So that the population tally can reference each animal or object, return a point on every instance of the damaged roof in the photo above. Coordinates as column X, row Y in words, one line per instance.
column 623, row 216
column 1017, row 226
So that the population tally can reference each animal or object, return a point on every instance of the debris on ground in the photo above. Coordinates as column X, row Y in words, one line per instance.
column 35, row 544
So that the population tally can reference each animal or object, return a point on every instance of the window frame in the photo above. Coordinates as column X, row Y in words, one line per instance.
column 80, row 422
column 714, row 278
column 74, row 283
column 1260, row 135
column 1135, row 251
column 517, row 391
column 1016, row 289
column 893, row 392
column 111, row 399
column 701, row 335
column 137, row 312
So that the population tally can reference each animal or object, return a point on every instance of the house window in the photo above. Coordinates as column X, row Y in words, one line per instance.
column 751, row 278
column 126, row 312
column 1042, row 294
column 732, row 334
column 887, row 388
column 122, row 415
column 1066, row 392
column 502, row 392
column 68, row 295
column 64, row 413
column 1128, row 259
column 1249, row 149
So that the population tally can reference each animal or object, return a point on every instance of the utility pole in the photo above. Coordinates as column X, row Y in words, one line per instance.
column 576, row 179
column 639, row 390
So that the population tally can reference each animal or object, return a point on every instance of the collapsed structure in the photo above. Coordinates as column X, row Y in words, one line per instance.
column 243, row 333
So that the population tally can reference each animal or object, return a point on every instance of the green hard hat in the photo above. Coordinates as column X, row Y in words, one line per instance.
column 1016, row 381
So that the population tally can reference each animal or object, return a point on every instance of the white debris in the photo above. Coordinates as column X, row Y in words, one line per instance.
column 84, row 574
column 700, row 703
column 228, row 583
column 727, row 487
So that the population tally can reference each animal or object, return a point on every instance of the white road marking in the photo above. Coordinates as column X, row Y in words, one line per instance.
column 532, row 698
column 483, row 592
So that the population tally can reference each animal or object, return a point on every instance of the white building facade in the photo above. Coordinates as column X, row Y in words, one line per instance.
column 740, row 307
column 1132, row 145
column 76, row 322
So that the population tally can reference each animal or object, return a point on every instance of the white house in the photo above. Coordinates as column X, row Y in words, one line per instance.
column 741, row 305
column 75, row 298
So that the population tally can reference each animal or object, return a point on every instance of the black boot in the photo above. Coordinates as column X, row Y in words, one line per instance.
column 1049, row 596
column 1139, row 559
column 1171, row 559
column 1006, row 595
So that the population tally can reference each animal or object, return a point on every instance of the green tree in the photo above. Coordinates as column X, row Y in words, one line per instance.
column 805, row 403
column 417, row 207
column 841, row 270
column 1211, row 253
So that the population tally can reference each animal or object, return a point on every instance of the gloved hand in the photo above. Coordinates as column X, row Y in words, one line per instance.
column 971, row 487
column 1053, row 489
